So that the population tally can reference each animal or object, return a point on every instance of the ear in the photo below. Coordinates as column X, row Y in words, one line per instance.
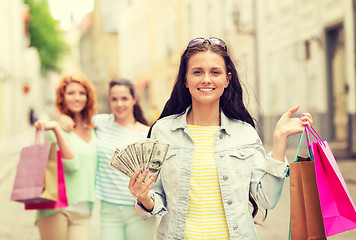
column 186, row 83
column 135, row 101
column 228, row 79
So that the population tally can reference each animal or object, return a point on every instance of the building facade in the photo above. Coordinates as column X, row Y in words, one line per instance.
column 98, row 48
column 154, row 33
column 19, row 70
column 306, row 57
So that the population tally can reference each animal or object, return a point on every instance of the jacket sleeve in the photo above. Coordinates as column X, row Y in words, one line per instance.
column 267, row 178
column 159, row 198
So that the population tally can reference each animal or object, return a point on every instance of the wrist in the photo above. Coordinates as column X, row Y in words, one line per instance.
column 147, row 203
column 56, row 127
column 279, row 135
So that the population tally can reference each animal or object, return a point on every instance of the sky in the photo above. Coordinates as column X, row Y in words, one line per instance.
column 62, row 10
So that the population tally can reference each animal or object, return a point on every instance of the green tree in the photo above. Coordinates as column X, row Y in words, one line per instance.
column 46, row 35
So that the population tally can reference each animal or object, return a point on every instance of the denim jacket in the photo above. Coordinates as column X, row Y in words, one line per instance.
column 242, row 166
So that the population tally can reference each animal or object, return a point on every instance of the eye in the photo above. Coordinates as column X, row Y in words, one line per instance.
column 83, row 93
column 197, row 72
column 113, row 99
column 216, row 73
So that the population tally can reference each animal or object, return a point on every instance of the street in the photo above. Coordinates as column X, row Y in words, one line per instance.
column 18, row 224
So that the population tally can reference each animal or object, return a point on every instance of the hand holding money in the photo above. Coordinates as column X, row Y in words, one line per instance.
column 141, row 190
column 148, row 154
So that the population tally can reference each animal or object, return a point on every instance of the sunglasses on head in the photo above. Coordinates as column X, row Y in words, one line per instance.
column 211, row 41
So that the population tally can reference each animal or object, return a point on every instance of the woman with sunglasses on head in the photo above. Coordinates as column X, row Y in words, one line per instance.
column 216, row 163
column 75, row 98
column 126, row 124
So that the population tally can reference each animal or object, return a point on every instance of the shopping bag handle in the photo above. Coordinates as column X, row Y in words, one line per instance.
column 311, row 155
column 315, row 134
column 42, row 133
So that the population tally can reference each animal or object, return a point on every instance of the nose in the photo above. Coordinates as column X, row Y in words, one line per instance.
column 206, row 79
column 119, row 103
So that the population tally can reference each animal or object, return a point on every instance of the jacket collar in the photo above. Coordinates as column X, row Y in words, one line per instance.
column 180, row 121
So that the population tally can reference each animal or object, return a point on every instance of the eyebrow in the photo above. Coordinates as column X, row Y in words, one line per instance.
column 210, row 68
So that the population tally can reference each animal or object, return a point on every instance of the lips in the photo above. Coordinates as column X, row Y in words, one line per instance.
column 206, row 89
column 119, row 111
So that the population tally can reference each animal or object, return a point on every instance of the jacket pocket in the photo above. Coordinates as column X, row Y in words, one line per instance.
column 241, row 154
column 241, row 162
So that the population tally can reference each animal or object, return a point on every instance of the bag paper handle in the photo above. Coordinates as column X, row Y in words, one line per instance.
column 311, row 155
column 299, row 143
column 315, row 134
column 40, row 132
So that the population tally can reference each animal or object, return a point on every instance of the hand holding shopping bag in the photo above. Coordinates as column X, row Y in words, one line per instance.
column 36, row 165
column 306, row 219
column 338, row 209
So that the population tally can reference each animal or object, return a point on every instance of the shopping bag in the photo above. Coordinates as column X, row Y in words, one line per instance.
column 306, row 220
column 29, row 184
column 62, row 201
column 338, row 209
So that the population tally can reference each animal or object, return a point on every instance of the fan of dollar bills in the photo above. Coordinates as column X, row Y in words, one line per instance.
column 144, row 154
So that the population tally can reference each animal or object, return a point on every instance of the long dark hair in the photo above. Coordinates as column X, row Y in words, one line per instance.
column 137, row 111
column 231, row 101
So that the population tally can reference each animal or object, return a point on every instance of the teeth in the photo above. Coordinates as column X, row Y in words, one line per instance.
column 206, row 89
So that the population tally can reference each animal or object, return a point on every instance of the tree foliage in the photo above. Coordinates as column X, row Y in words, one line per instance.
column 46, row 35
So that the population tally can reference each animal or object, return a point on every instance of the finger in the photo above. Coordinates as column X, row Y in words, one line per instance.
column 38, row 124
column 306, row 118
column 309, row 116
column 291, row 111
column 305, row 123
column 148, row 185
column 134, row 177
column 140, row 179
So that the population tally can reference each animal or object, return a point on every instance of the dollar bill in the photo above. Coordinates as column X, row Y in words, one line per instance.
column 155, row 163
column 125, row 160
column 147, row 148
column 140, row 155
column 117, row 165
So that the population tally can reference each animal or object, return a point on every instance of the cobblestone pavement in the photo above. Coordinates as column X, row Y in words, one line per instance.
column 17, row 224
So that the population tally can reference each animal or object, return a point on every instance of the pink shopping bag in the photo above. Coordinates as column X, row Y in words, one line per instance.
column 62, row 201
column 338, row 209
column 29, row 184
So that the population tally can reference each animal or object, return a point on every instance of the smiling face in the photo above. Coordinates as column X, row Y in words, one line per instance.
column 121, row 102
column 75, row 97
column 206, row 77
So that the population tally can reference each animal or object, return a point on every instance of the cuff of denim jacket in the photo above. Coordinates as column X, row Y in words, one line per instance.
column 276, row 167
column 158, row 208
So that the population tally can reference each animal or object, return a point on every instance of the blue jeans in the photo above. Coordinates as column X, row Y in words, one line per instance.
column 120, row 222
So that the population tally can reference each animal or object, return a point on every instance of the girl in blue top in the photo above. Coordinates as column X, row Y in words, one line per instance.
column 208, row 97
